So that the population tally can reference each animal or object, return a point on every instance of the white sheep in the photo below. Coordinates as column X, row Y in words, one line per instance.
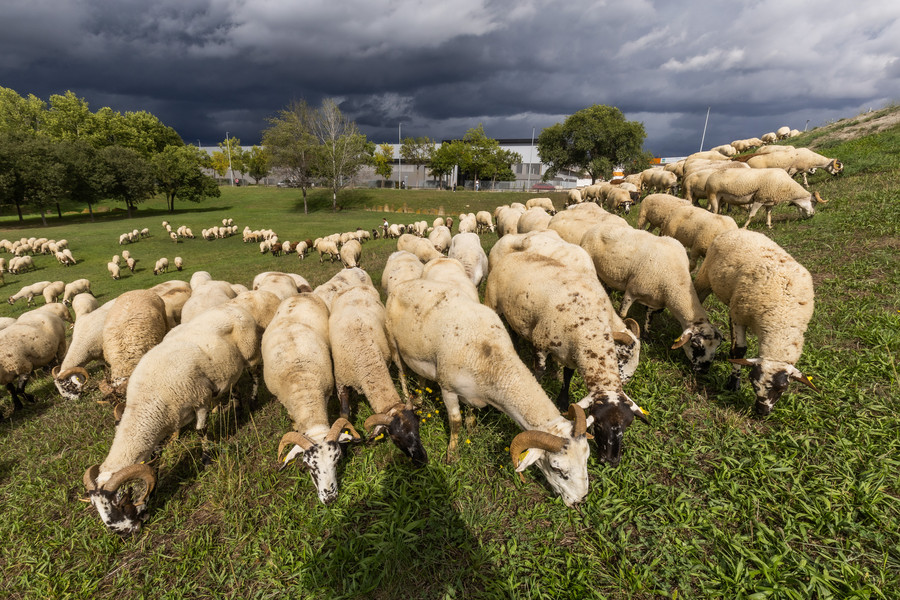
column 508, row 220
column 694, row 183
column 463, row 345
column 297, row 368
column 573, row 197
column 362, row 358
column 545, row 203
column 800, row 161
column 113, row 269
column 759, row 188
column 179, row 263
column 769, row 293
column 440, row 238
column 572, row 223
column 619, row 198
column 208, row 294
column 19, row 264
column 83, row 304
column 661, row 180
column 547, row 303
column 420, row 247
column 164, row 395
column 402, row 266
column 174, row 295
column 654, row 271
column 696, row 229
column 131, row 263
column 162, row 266
column 326, row 247
column 342, row 280
column 36, row 339
column 73, row 288
column 769, row 138
column 283, row 285
column 29, row 292
column 783, row 132
column 467, row 249
column 86, row 346
column 350, row 253
column 656, row 208
column 533, row 219
column 484, row 221
column 450, row 270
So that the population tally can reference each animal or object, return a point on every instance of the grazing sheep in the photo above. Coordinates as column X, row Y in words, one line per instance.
column 326, row 247
column 162, row 266
column 362, row 358
column 759, row 188
column 656, row 208
column 19, row 264
column 350, row 253
column 36, row 339
column 29, row 292
column 342, row 280
column 546, row 302
column 164, row 395
column 440, row 238
column 462, row 345
column 508, row 220
column 619, row 198
column 72, row 289
column 572, row 223
column 545, row 203
column 402, row 266
column 283, row 285
column 467, row 249
column 422, row 248
column 206, row 295
column 484, row 221
column 696, row 229
column 86, row 346
column 113, row 269
column 694, row 183
column 450, row 270
column 131, row 262
column 574, row 197
column 654, row 271
column 796, row 162
column 534, row 219
column 783, row 132
column 82, row 304
column 297, row 368
column 179, row 263
column 661, row 180
column 769, row 293
column 174, row 295
column 769, row 138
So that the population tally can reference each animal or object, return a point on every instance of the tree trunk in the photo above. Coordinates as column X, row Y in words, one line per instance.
column 44, row 216
column 91, row 211
column 58, row 210
column 305, row 207
column 128, row 206
column 19, row 210
column 334, row 200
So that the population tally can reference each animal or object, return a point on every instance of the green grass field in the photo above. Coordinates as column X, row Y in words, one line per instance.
column 710, row 501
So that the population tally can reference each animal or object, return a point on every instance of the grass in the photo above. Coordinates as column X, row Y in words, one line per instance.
column 710, row 501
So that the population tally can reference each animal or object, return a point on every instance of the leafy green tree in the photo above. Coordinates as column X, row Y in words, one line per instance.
column 445, row 158
column 593, row 140
column 147, row 134
column 68, row 118
column 258, row 161
column 18, row 114
column 229, row 155
column 417, row 151
column 384, row 158
column 344, row 149
column 483, row 155
column 31, row 173
column 500, row 167
column 178, row 174
column 293, row 145
column 83, row 181
column 126, row 176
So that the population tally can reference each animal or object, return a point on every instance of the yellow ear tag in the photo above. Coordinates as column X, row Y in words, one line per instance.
column 379, row 436
column 523, row 455
column 678, row 340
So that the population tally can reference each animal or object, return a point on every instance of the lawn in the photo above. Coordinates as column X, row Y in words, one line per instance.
column 709, row 501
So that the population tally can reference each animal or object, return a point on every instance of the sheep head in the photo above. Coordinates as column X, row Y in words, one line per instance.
column 770, row 379
column 113, row 498
column 70, row 382
column 561, row 454
column 612, row 414
column 704, row 340
column 402, row 426
column 320, row 459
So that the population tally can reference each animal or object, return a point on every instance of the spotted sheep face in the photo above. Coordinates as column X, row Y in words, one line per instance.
column 612, row 414
column 321, row 460
column 70, row 387
column 700, row 343
column 117, row 510
column 770, row 380
column 566, row 470
column 404, row 433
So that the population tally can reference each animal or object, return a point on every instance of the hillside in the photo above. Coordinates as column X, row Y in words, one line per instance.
column 709, row 501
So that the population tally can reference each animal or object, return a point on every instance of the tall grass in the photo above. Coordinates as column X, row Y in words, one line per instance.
column 710, row 501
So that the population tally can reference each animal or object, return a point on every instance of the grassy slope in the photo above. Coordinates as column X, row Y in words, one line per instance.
column 709, row 501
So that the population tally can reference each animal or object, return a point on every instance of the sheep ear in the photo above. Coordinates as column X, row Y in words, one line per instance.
column 746, row 362
column 683, row 339
column 293, row 454
column 347, row 436
column 528, row 458
column 795, row 374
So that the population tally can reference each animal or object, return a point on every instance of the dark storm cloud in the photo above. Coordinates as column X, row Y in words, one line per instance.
column 210, row 66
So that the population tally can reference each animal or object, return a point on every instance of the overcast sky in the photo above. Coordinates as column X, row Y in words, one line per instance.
column 205, row 67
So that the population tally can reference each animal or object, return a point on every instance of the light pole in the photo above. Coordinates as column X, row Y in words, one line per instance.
column 703, row 137
column 399, row 152
column 230, row 172
column 530, row 157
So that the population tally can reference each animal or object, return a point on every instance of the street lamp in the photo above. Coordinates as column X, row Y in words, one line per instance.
column 399, row 152
column 230, row 172
column 530, row 157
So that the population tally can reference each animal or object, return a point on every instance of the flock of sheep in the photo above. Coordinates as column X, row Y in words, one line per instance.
column 545, row 280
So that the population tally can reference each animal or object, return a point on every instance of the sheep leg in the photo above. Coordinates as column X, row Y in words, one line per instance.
column 20, row 387
column 753, row 210
column 562, row 400
column 540, row 363
column 17, row 404
column 738, row 350
column 202, row 429
column 344, row 398
column 451, row 401
column 650, row 313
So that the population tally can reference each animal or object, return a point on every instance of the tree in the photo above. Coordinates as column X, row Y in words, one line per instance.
column 483, row 156
column 229, row 156
column 417, row 151
column 126, row 176
column 384, row 157
column 344, row 149
column 293, row 145
column 20, row 115
column 593, row 140
column 445, row 158
column 258, row 161
column 31, row 173
column 178, row 174
column 83, row 174
column 68, row 118
column 500, row 166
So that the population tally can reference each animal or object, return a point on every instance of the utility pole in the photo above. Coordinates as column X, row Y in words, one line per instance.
column 399, row 152
column 230, row 172
column 704, row 128
column 530, row 157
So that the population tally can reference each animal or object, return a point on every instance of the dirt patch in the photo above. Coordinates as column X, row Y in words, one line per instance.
column 859, row 126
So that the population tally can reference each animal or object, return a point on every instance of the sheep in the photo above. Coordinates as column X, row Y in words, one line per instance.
column 660, row 180
column 283, row 285
column 342, row 280
column 174, row 295
column 534, row 219
column 86, row 346
column 462, row 345
column 162, row 266
column 759, row 188
column 6, row 322
column 350, row 253
column 573, row 222
column 131, row 262
column 484, row 221
column 626, row 333
column 29, row 292
column 619, row 198
column 164, row 395
column 547, row 303
column 326, row 247
column 83, row 304
column 420, row 247
column 73, row 288
column 694, row 183
column 113, row 269
column 696, row 229
column 116, row 259
column 179, row 263
column 799, row 161
column 469, row 224
column 297, row 369
column 654, row 271
column 573, row 197
column 402, row 266
column 136, row 323
column 362, row 357
column 450, row 270
column 145, row 232
column 545, row 203
column 209, row 294
column 19, row 264
column 655, row 208
column 725, row 150
column 467, row 249
column 440, row 238
column 173, row 236
column 63, row 259
column 783, row 132
column 36, row 339
column 769, row 138
column 769, row 293
column 508, row 220
column 301, row 249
